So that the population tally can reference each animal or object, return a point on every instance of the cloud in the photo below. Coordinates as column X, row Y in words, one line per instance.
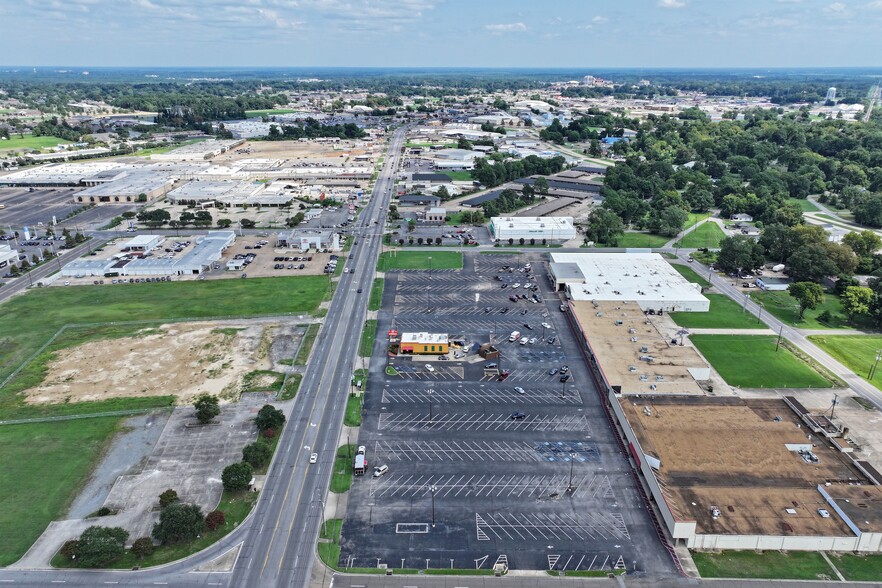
column 602, row 19
column 874, row 5
column 836, row 8
column 672, row 3
column 513, row 27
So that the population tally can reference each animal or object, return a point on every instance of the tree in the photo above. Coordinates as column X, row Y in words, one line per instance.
column 143, row 547
column 604, row 226
column 811, row 263
column 257, row 453
column 739, row 253
column 178, row 522
column 411, row 225
column 99, row 546
column 541, row 185
column 856, row 301
column 215, row 519
column 247, row 223
column 442, row 193
column 269, row 417
column 168, row 498
column 224, row 223
column 203, row 218
column 207, row 407
column 808, row 294
column 668, row 222
column 237, row 476
column 438, row 240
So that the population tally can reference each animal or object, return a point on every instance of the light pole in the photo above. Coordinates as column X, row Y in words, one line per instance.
column 875, row 364
column 570, row 487
column 430, row 406
column 432, row 489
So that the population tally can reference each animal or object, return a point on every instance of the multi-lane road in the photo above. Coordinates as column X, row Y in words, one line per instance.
column 277, row 543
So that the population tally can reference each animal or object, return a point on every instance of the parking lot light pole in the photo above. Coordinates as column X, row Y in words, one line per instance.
column 570, row 487
column 432, row 489
column 430, row 406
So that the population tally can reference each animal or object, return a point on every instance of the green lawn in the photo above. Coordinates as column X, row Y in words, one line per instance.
column 707, row 235
column 234, row 505
column 392, row 260
column 459, row 176
column 803, row 203
column 376, row 299
column 27, row 322
column 859, row 568
column 794, row 565
column 30, row 142
column 260, row 113
column 784, row 307
column 640, row 240
column 857, row 352
column 750, row 361
column 367, row 338
column 352, row 417
column 690, row 274
column 341, row 477
column 695, row 217
column 724, row 313
column 44, row 465
column 306, row 344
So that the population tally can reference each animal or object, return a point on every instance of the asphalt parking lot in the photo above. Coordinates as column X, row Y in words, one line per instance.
column 477, row 470
column 26, row 209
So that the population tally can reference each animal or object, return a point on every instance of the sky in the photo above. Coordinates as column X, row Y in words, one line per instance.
column 442, row 33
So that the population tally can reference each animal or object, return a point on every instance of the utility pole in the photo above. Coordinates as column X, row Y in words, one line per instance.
column 780, row 334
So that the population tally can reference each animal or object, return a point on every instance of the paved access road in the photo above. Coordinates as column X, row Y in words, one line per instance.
column 278, row 540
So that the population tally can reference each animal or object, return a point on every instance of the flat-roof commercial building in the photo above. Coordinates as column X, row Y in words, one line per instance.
column 727, row 473
column 424, row 343
column 127, row 187
column 228, row 193
column 8, row 256
column 305, row 239
column 60, row 174
column 550, row 228
column 645, row 278
column 142, row 242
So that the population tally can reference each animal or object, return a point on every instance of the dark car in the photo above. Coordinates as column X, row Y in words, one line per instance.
column 359, row 290
column 505, row 310
column 565, row 378
column 526, row 326
column 564, row 369
column 516, row 416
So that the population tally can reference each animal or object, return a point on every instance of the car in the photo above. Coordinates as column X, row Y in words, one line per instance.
column 689, row 259
column 516, row 285
column 290, row 266
column 524, row 341
column 519, row 390
column 505, row 310
column 563, row 307
column 546, row 325
column 527, row 326
column 430, row 367
column 517, row 416
column 564, row 369
column 565, row 378
column 504, row 286
column 552, row 371
column 359, row 290
column 67, row 283
column 379, row 471
column 523, row 312
column 552, row 340
column 313, row 458
column 487, row 309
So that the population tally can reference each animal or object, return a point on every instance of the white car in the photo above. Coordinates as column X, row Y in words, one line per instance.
column 516, row 285
column 430, row 367
column 519, row 390
column 546, row 325
column 313, row 458
column 524, row 341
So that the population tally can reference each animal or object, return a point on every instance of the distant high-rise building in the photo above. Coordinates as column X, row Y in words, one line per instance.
column 588, row 81
column 831, row 94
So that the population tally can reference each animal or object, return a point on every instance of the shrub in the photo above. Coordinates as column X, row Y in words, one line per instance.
column 168, row 498
column 178, row 522
column 269, row 434
column 99, row 546
column 207, row 407
column 237, row 476
column 269, row 417
column 257, row 453
column 142, row 547
column 70, row 549
column 214, row 519
column 104, row 511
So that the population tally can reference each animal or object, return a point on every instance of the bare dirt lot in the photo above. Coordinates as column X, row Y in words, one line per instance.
column 184, row 360
column 295, row 150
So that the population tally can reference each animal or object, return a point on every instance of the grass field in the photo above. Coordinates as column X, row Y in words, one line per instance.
column 857, row 352
column 27, row 322
column 795, row 565
column 459, row 176
column 43, row 466
column 392, row 260
column 690, row 274
column 640, row 240
column 784, row 307
column 30, row 142
column 352, row 417
column 695, row 217
column 724, row 313
column 341, row 477
column 707, row 235
column 750, row 361
column 367, row 338
column 306, row 344
column 804, row 204
column 376, row 299
column 859, row 568
column 260, row 113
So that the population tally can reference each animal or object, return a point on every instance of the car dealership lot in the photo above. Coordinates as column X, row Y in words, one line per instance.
column 477, row 469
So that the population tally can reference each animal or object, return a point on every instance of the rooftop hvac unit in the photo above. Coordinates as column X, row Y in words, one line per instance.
column 644, row 378
column 633, row 339
column 643, row 349
column 599, row 314
column 632, row 368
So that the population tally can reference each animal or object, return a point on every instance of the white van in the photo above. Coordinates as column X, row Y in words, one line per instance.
column 515, row 335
